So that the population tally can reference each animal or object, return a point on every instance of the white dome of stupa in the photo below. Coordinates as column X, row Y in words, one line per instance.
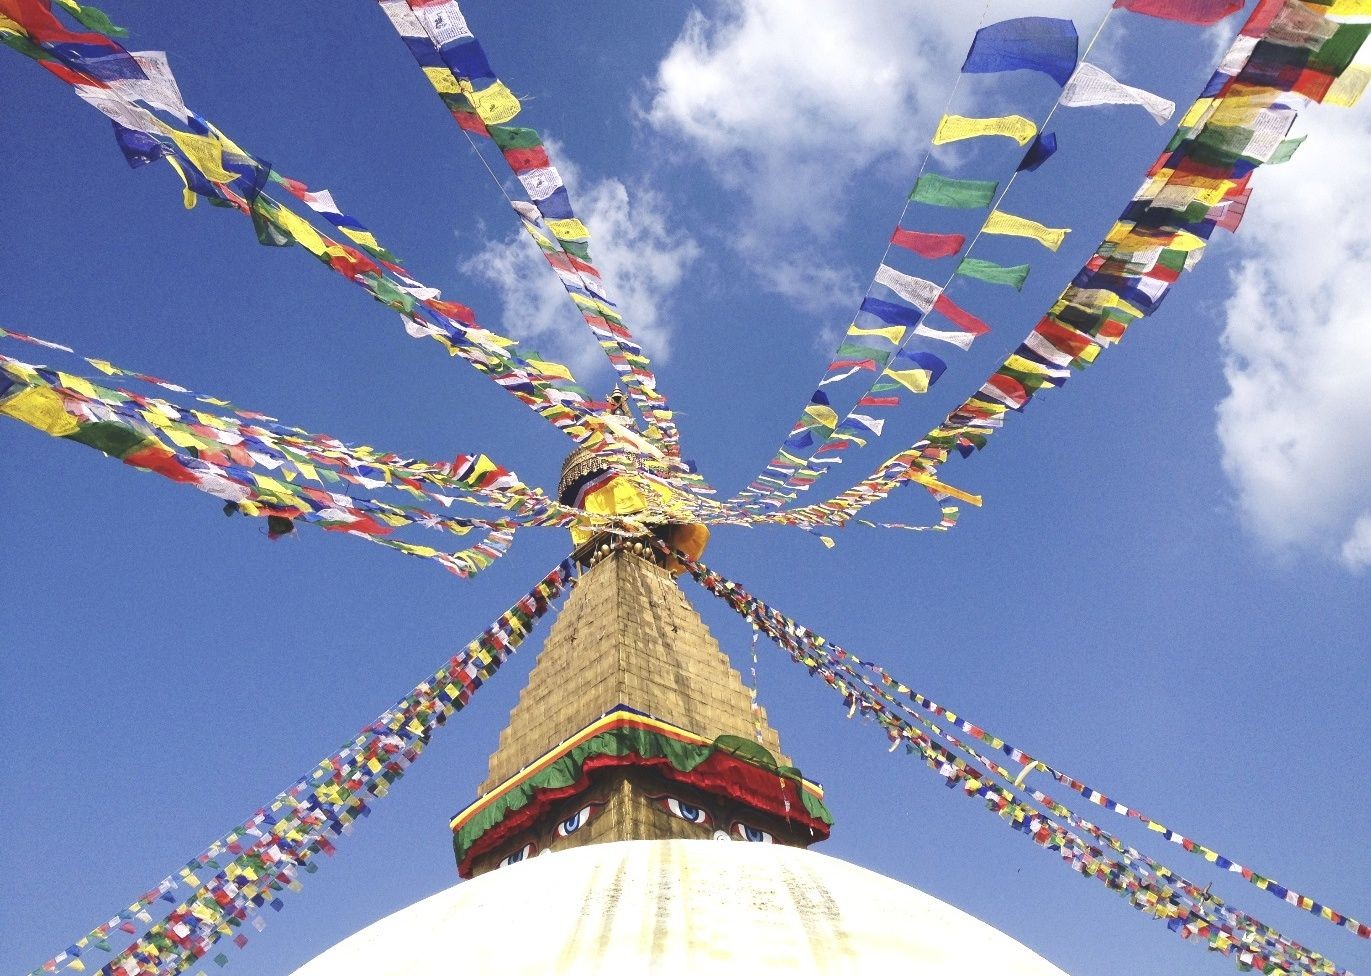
column 679, row 908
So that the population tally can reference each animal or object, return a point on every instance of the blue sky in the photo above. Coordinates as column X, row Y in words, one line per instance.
column 1165, row 593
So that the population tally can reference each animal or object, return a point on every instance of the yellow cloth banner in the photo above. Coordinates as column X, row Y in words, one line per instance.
column 570, row 229
column 206, row 153
column 1000, row 222
column 954, row 128
column 1349, row 8
column 495, row 105
column 1349, row 86
column 40, row 408
column 442, row 80
column 892, row 333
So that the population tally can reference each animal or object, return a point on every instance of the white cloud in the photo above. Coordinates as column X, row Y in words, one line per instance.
column 1356, row 551
column 790, row 103
column 1297, row 345
column 641, row 257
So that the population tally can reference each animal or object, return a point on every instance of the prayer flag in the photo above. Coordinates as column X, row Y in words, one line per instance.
column 915, row 371
column 928, row 245
column 963, row 319
column 890, row 313
column 1000, row 222
column 1186, row 11
column 1091, row 85
column 1046, row 44
column 919, row 292
column 996, row 274
column 948, row 191
column 962, row 340
column 1044, row 145
column 955, row 128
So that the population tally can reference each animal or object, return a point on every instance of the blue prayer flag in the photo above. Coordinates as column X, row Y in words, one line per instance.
column 1046, row 44
column 1044, row 145
column 891, row 313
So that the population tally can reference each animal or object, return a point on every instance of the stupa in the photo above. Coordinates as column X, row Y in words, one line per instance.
column 640, row 817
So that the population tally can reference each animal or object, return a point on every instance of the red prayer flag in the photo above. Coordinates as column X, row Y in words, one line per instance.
column 927, row 245
column 959, row 317
column 1186, row 11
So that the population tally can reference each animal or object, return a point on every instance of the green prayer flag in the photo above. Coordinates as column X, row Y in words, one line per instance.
column 1335, row 54
column 852, row 350
column 996, row 274
column 946, row 191
column 514, row 137
column 113, row 439
column 1286, row 150
column 94, row 18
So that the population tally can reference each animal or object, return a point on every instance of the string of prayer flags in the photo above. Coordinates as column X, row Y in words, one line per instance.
column 437, row 35
column 213, row 166
column 1202, row 12
column 1045, row 44
column 1189, row 909
column 926, row 245
column 253, row 865
column 1199, row 183
column 1044, row 145
column 955, row 128
column 996, row 274
column 948, row 191
column 1092, row 85
column 1000, row 222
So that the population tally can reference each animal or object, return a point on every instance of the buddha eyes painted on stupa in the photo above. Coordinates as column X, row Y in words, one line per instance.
column 754, row 835
column 691, row 813
column 522, row 853
column 577, row 820
column 686, row 811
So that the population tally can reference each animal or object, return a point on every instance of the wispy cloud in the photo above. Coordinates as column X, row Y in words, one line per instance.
column 1297, row 342
column 789, row 104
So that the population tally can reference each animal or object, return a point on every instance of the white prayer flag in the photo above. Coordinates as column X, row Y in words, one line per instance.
column 1091, row 85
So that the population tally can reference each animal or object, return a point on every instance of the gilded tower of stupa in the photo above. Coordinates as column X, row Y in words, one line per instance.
column 591, row 847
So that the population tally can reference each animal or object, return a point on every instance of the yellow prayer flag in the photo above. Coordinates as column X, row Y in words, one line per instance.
column 364, row 237
column 183, row 438
column 954, row 128
column 1349, row 9
column 106, row 367
column 495, row 105
column 1000, row 222
column 78, row 383
column 891, row 333
column 206, row 153
column 1196, row 112
column 1348, row 88
column 568, row 230
column 187, row 194
column 824, row 415
column 1241, row 110
column 551, row 368
column 913, row 380
column 442, row 80
column 41, row 408
column 299, row 230
column 538, row 237
column 77, row 965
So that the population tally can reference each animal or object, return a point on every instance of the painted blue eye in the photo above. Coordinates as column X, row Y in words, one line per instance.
column 686, row 811
column 575, row 822
column 752, row 834
column 517, row 856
